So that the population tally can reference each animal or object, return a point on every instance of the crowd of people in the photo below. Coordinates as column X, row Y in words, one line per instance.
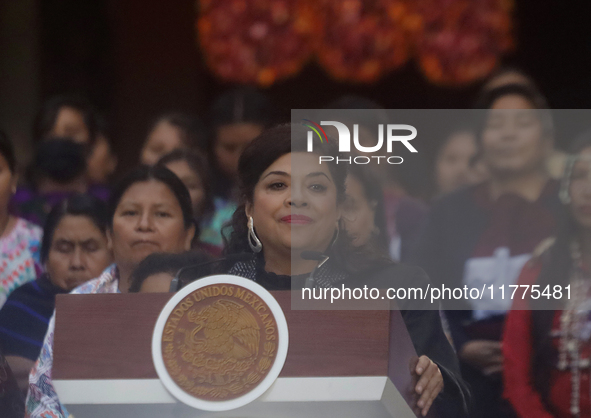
column 241, row 185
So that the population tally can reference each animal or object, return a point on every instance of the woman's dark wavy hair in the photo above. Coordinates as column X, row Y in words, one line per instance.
column 241, row 105
column 257, row 157
column 192, row 130
column 157, row 173
column 77, row 205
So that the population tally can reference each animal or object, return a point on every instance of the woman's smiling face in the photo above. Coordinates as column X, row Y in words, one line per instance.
column 294, row 205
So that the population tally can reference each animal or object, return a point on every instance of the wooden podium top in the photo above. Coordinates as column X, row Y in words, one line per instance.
column 108, row 336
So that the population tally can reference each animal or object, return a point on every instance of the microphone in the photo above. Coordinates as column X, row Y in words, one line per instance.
column 315, row 256
column 233, row 258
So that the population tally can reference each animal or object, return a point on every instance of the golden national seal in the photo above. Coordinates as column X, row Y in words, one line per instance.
column 219, row 342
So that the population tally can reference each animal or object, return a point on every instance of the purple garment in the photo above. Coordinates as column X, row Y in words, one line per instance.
column 34, row 207
column 100, row 191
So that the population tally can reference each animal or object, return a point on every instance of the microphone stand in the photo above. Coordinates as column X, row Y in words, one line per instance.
column 316, row 256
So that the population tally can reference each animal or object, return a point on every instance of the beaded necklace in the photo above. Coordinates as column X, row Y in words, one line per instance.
column 575, row 329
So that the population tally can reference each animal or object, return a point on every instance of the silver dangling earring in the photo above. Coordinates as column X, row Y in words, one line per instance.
column 253, row 241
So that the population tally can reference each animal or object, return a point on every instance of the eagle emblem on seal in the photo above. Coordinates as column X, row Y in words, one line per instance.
column 223, row 345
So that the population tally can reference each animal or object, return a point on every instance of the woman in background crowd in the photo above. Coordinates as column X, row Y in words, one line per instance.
column 193, row 170
column 547, row 350
column 291, row 204
column 484, row 234
column 149, row 211
column 405, row 214
column 101, row 162
column 363, row 209
column 237, row 117
column 73, row 250
column 57, row 171
column 454, row 161
column 74, row 117
column 513, row 75
column 170, row 132
column 19, row 239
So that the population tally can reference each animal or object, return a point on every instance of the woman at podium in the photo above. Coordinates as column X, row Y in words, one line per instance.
column 290, row 219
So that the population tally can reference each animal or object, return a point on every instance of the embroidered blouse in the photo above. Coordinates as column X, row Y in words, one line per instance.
column 19, row 257
column 521, row 359
column 42, row 400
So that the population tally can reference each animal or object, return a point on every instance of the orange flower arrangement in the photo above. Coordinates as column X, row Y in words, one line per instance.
column 255, row 41
column 360, row 40
column 461, row 41
column 455, row 42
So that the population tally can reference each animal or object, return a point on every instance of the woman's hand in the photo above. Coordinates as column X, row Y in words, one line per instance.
column 430, row 383
column 483, row 355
